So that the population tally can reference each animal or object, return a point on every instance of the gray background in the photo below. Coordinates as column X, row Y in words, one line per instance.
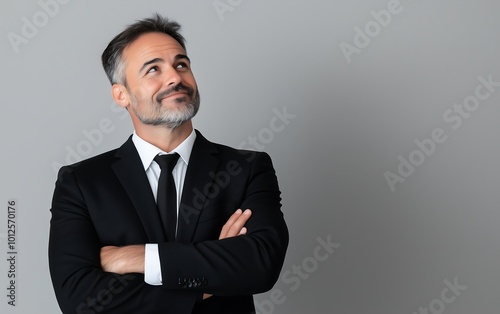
column 395, row 249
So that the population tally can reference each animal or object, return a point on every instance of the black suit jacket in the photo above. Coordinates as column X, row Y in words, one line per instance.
column 107, row 200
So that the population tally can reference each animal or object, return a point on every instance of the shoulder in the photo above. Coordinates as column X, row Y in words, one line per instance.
column 227, row 153
column 99, row 163
column 100, row 160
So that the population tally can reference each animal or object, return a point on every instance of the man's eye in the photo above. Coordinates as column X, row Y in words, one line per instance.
column 182, row 65
column 153, row 69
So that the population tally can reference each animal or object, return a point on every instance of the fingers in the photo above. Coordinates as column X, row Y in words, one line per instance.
column 225, row 229
column 235, row 224
column 229, row 223
column 237, row 227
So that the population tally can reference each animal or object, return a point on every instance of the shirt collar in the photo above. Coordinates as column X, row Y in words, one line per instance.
column 147, row 151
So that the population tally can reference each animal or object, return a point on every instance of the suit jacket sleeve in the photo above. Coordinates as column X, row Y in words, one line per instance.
column 80, row 284
column 240, row 265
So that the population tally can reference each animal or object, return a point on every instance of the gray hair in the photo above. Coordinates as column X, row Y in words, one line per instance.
column 112, row 60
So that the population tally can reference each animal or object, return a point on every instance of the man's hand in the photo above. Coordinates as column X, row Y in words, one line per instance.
column 123, row 260
column 235, row 224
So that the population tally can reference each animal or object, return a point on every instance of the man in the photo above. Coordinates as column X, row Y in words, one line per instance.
column 116, row 248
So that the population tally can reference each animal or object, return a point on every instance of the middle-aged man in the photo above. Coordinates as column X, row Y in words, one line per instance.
column 130, row 234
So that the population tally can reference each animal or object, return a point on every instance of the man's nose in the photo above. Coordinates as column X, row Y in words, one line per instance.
column 172, row 77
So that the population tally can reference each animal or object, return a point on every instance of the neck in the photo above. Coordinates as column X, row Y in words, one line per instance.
column 164, row 138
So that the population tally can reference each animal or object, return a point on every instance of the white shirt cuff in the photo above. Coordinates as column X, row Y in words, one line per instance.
column 152, row 267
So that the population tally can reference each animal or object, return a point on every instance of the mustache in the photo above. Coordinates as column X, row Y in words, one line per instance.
column 176, row 88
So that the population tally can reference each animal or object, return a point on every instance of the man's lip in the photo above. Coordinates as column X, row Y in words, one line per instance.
column 175, row 94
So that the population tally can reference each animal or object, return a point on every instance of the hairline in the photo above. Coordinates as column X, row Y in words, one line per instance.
column 119, row 74
column 112, row 57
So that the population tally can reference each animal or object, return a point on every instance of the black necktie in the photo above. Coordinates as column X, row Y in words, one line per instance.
column 166, row 198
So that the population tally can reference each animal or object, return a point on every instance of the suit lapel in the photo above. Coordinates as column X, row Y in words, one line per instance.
column 130, row 172
column 203, row 161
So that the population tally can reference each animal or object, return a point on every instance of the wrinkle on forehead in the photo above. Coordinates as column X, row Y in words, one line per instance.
column 146, row 46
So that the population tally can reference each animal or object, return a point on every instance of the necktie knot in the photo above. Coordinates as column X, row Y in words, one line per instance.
column 167, row 162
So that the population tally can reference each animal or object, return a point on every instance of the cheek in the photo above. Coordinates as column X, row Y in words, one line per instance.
column 150, row 86
column 188, row 78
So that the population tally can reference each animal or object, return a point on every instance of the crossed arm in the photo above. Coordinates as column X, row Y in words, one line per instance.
column 130, row 259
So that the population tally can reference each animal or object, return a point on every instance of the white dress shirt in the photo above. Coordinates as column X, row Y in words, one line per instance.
column 147, row 152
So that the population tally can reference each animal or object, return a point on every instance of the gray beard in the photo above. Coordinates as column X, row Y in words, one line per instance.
column 171, row 119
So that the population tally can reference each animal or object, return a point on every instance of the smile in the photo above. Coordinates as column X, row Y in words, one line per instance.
column 176, row 95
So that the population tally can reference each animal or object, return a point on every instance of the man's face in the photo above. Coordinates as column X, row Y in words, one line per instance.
column 160, row 83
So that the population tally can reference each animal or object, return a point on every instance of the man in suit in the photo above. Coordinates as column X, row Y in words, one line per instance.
column 112, row 249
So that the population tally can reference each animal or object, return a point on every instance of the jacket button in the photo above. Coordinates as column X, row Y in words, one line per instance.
column 182, row 282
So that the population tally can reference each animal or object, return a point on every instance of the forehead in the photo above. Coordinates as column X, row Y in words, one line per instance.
column 149, row 46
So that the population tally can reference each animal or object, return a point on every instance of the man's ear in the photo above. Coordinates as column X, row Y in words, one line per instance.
column 120, row 95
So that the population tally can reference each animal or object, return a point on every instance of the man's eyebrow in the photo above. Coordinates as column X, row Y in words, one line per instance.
column 155, row 60
column 181, row 56
column 160, row 60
